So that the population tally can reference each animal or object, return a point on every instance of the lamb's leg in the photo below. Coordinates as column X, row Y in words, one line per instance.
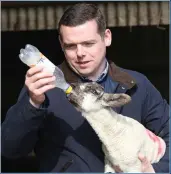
column 136, row 168
column 133, row 170
column 108, row 166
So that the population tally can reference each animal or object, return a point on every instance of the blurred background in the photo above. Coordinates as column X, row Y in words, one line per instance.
column 140, row 33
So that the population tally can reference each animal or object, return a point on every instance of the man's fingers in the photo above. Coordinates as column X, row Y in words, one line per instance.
column 43, row 89
column 42, row 82
column 38, row 92
column 146, row 165
column 34, row 70
column 38, row 81
column 38, row 76
column 143, row 160
column 142, row 157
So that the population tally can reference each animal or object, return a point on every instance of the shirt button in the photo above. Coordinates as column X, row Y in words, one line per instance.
column 132, row 81
column 122, row 87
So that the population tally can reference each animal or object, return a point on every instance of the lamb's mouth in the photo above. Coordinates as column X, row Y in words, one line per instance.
column 74, row 103
column 72, row 100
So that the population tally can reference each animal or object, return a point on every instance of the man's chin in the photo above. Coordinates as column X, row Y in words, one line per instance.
column 85, row 73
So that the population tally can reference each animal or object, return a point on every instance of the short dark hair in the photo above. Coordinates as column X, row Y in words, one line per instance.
column 80, row 13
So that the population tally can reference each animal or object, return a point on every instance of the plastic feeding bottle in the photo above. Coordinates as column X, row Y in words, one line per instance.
column 31, row 56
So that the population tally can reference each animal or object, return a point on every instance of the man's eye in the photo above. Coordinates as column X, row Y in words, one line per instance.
column 70, row 47
column 88, row 44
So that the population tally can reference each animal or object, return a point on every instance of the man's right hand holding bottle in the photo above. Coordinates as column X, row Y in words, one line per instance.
column 38, row 81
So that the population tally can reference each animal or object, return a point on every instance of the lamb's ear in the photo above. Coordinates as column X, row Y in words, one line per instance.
column 115, row 100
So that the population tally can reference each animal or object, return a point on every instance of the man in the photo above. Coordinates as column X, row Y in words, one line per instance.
column 44, row 120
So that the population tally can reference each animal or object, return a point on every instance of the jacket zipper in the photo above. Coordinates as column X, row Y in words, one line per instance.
column 66, row 166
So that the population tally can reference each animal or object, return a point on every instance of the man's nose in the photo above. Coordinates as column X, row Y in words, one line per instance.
column 80, row 51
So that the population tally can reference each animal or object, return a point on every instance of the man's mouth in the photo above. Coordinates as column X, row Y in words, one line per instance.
column 82, row 63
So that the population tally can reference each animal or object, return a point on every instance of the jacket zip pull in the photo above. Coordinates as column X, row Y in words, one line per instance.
column 66, row 166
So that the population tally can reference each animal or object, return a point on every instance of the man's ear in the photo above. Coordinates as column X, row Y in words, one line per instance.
column 108, row 37
column 115, row 100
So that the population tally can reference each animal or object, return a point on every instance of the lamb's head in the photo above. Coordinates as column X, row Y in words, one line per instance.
column 89, row 97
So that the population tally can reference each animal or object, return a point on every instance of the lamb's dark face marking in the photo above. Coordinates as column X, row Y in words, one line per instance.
column 90, row 97
column 94, row 89
column 84, row 93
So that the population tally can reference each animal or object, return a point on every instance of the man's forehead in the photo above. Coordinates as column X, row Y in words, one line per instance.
column 80, row 33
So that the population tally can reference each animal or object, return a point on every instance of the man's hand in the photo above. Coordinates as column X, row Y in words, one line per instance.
column 38, row 82
column 146, row 166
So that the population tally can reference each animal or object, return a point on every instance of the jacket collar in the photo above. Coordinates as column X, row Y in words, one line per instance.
column 116, row 73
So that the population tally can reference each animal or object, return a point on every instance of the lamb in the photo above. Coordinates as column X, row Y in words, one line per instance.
column 122, row 138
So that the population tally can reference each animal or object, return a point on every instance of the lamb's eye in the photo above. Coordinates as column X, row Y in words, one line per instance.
column 94, row 92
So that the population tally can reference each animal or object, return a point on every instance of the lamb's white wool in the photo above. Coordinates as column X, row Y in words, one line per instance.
column 87, row 103
column 82, row 87
column 123, row 138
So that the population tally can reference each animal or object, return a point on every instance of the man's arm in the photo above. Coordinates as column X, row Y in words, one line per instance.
column 20, row 127
column 23, row 120
column 156, row 119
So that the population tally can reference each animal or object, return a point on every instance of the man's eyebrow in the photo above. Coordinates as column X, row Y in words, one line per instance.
column 87, row 41
column 69, row 44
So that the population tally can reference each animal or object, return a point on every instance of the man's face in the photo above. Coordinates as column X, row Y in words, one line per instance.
column 84, row 47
